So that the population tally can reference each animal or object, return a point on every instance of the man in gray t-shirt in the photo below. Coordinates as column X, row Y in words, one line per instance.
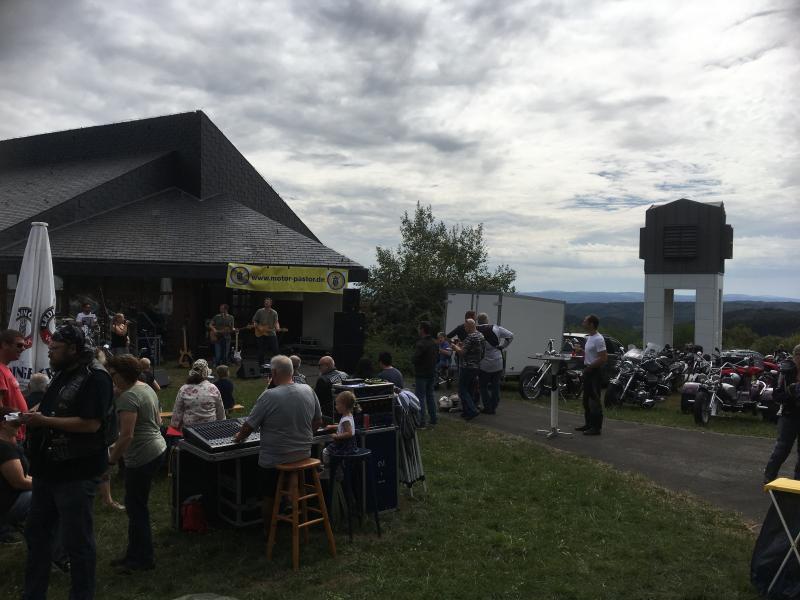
column 286, row 416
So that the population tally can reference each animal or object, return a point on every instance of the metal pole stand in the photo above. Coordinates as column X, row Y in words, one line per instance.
column 554, row 364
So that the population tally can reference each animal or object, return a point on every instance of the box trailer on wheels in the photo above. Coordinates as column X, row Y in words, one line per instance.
column 533, row 321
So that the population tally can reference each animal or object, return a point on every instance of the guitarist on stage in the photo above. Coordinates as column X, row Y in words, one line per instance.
column 265, row 323
column 219, row 334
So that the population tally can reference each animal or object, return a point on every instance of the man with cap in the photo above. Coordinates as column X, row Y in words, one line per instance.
column 68, row 454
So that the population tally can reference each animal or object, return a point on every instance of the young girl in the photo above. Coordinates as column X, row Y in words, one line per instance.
column 344, row 441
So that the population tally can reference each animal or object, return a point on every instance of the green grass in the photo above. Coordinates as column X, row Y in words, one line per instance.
column 666, row 413
column 503, row 518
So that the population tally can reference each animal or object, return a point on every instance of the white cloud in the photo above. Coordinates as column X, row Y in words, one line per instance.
column 556, row 124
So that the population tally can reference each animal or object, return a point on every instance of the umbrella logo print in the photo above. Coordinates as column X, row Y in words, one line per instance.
column 44, row 324
column 23, row 320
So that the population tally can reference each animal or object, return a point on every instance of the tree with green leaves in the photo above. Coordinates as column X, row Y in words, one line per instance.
column 409, row 284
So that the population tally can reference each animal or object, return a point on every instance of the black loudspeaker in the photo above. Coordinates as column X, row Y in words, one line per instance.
column 249, row 369
column 162, row 377
column 347, row 356
column 348, row 329
column 351, row 299
column 383, row 444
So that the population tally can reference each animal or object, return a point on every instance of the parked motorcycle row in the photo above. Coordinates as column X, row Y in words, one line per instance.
column 738, row 381
column 734, row 381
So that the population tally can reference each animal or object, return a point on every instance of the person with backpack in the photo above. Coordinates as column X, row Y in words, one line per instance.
column 496, row 339
column 141, row 444
column 67, row 448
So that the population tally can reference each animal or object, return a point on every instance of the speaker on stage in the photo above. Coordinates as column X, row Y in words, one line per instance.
column 347, row 356
column 250, row 369
column 351, row 299
column 349, row 328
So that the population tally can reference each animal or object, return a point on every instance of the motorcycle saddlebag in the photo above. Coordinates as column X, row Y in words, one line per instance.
column 690, row 388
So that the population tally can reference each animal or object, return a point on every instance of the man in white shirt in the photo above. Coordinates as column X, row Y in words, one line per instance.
column 594, row 357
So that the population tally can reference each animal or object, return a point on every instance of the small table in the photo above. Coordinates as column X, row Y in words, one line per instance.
column 553, row 360
column 787, row 486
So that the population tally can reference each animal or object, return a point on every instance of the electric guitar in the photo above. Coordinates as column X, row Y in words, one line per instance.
column 236, row 358
column 185, row 357
column 262, row 330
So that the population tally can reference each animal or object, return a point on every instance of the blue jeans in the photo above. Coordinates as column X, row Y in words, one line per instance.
column 423, row 388
column 490, row 390
column 267, row 348
column 222, row 348
column 70, row 503
column 788, row 433
column 465, row 378
column 18, row 512
column 138, row 481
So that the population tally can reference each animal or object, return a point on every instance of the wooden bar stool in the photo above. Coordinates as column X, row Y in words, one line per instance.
column 292, row 483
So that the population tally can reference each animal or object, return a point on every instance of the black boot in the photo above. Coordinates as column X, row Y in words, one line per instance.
column 586, row 422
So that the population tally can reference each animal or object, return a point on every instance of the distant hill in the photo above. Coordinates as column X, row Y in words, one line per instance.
column 764, row 318
column 603, row 297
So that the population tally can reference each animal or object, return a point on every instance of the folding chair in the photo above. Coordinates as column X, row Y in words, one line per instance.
column 783, row 485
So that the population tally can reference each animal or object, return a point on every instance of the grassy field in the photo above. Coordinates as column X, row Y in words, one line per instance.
column 666, row 413
column 502, row 518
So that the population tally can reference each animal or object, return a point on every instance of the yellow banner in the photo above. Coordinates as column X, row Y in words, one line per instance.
column 286, row 279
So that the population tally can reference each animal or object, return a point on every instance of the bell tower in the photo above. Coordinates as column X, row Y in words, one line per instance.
column 684, row 245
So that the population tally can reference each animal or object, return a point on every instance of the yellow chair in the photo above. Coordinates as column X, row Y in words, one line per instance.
column 787, row 486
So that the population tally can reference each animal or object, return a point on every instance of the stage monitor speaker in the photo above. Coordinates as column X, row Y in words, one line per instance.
column 162, row 377
column 351, row 299
column 249, row 369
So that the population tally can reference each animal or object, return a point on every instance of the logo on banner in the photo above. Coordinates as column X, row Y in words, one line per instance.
column 44, row 324
column 240, row 275
column 23, row 319
column 336, row 280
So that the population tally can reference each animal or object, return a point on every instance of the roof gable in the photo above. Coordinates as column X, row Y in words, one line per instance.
column 206, row 163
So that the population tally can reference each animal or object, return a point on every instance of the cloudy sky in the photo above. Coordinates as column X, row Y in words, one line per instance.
column 556, row 124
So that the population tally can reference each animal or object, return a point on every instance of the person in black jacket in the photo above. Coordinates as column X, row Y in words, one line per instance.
column 67, row 448
column 426, row 354
column 787, row 394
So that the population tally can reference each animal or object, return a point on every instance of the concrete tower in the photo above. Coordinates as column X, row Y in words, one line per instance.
column 684, row 245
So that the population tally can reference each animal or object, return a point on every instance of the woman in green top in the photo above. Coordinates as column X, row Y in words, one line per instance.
column 141, row 444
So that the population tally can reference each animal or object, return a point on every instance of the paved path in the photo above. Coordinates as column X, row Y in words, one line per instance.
column 725, row 470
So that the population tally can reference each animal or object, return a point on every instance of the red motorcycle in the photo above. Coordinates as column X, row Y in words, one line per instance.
column 731, row 388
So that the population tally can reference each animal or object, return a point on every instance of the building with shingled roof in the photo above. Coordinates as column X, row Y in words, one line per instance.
column 144, row 217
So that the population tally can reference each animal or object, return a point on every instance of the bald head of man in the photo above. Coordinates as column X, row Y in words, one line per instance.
column 469, row 325
column 326, row 364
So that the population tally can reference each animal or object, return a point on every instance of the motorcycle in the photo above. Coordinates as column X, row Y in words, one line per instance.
column 730, row 388
column 533, row 382
column 699, row 368
column 642, row 379
column 768, row 379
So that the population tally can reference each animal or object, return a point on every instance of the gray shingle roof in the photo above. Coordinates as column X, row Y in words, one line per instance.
column 28, row 191
column 174, row 227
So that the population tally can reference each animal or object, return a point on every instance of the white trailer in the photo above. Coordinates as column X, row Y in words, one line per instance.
column 533, row 321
